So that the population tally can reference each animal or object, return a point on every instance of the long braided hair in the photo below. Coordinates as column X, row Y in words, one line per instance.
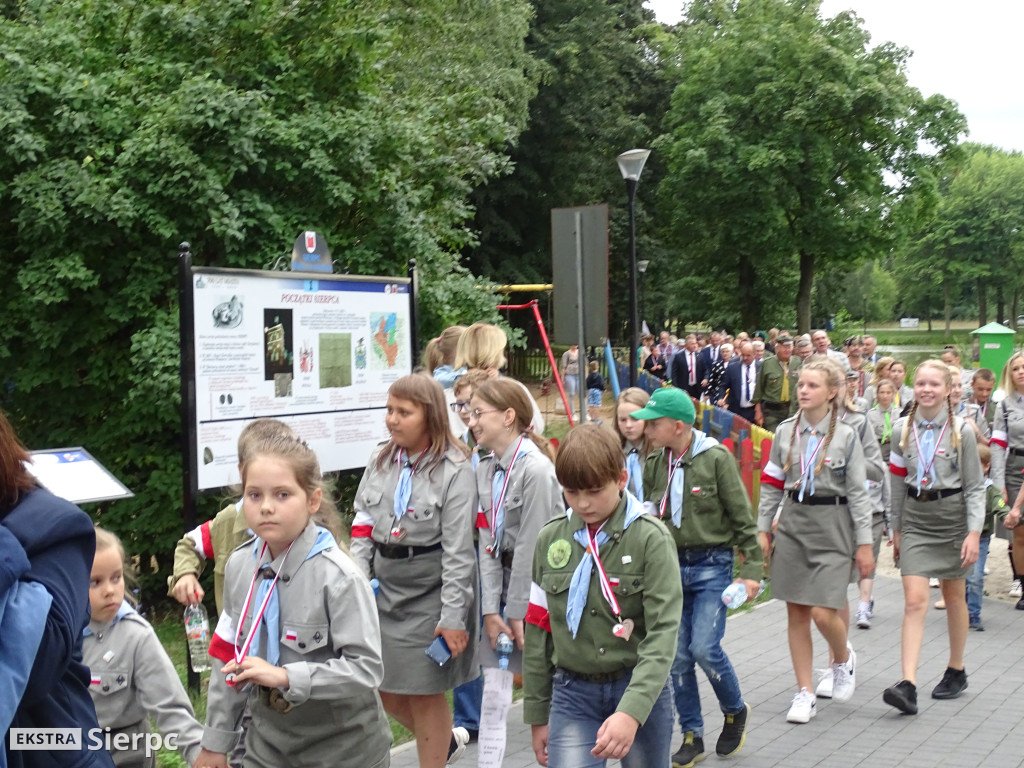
column 832, row 373
column 947, row 378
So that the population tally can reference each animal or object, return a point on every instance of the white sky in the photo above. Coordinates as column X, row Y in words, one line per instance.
column 963, row 50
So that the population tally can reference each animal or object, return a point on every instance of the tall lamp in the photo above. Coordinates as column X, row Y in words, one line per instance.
column 631, row 165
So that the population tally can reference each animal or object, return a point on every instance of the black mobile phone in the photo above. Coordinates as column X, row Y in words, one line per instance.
column 438, row 651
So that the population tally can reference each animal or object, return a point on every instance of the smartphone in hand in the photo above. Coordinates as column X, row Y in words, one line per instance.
column 438, row 651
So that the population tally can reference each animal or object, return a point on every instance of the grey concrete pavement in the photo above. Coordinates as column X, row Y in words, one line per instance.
column 984, row 727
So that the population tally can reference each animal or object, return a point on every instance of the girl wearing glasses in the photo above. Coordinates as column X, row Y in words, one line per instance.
column 413, row 531
column 518, row 493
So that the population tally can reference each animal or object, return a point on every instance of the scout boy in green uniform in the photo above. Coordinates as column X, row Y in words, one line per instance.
column 775, row 391
column 602, row 619
column 696, row 489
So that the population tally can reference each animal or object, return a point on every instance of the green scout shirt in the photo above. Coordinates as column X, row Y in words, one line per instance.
column 995, row 509
column 716, row 508
column 643, row 559
column 228, row 530
column 768, row 388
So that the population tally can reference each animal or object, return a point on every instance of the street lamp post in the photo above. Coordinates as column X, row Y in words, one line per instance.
column 631, row 165
column 641, row 267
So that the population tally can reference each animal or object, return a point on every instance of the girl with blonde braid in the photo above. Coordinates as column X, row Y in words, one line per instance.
column 938, row 511
column 634, row 442
column 817, row 470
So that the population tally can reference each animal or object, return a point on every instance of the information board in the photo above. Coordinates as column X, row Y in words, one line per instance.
column 73, row 474
column 317, row 352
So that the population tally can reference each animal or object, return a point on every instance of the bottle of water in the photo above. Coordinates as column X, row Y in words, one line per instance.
column 735, row 594
column 503, row 647
column 197, row 630
column 375, row 584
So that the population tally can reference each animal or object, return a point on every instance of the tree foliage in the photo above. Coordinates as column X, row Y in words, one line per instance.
column 791, row 145
column 233, row 124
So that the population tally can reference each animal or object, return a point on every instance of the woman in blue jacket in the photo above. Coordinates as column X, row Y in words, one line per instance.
column 46, row 551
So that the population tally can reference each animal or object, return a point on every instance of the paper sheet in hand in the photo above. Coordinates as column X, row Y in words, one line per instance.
column 497, row 700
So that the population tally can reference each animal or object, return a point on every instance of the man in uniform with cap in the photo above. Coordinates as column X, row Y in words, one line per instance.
column 775, row 392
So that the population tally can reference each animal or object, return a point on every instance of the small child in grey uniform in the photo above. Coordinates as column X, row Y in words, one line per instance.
column 298, row 635
column 131, row 677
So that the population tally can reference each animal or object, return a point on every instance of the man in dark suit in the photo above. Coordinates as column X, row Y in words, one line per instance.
column 688, row 368
column 740, row 380
column 711, row 352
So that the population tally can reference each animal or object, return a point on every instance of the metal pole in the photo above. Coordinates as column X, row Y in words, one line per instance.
column 634, row 323
column 414, row 302
column 581, row 355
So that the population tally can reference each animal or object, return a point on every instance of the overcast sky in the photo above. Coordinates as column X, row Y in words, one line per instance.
column 963, row 50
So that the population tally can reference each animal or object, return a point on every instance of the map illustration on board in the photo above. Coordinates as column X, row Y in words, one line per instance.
column 385, row 329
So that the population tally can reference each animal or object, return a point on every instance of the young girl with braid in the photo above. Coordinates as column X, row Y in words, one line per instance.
column 938, row 511
column 817, row 470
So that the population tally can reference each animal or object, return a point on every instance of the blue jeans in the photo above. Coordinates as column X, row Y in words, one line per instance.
column 466, row 702
column 580, row 707
column 976, row 581
column 705, row 572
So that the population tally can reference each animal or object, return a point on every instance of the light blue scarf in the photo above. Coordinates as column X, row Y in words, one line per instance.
column 272, row 615
column 701, row 443
column 580, row 584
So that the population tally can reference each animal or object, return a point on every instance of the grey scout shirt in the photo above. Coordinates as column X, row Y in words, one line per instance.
column 533, row 497
column 442, row 509
column 842, row 472
column 952, row 468
column 132, row 679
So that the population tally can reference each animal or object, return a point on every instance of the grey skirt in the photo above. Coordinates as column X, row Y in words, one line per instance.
column 1014, row 477
column 932, row 534
column 813, row 558
column 409, row 607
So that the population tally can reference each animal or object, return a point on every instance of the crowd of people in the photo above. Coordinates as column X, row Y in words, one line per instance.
column 603, row 562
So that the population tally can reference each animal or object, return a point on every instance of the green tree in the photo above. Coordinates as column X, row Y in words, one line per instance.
column 130, row 126
column 790, row 144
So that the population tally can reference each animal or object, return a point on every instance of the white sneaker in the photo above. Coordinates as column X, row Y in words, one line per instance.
column 824, row 688
column 460, row 738
column 988, row 570
column 933, row 582
column 844, row 678
column 864, row 618
column 804, row 707
column 1015, row 589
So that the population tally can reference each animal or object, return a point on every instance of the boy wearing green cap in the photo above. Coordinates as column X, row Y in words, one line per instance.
column 695, row 487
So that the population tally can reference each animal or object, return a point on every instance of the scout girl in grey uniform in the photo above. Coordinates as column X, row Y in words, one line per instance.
column 1007, row 446
column 882, row 416
column 938, row 510
column 518, row 493
column 131, row 677
column 634, row 442
column 298, row 635
column 817, row 464
column 413, row 531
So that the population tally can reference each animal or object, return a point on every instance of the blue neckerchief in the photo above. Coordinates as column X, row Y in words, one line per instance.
column 636, row 475
column 403, row 491
column 698, row 445
column 580, row 584
column 123, row 611
column 272, row 615
column 926, row 446
column 446, row 376
column 807, row 486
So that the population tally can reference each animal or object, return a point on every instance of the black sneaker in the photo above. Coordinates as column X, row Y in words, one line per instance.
column 952, row 684
column 734, row 732
column 903, row 696
column 976, row 625
column 1020, row 604
column 691, row 753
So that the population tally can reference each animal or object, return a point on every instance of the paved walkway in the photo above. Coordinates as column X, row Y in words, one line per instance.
column 984, row 727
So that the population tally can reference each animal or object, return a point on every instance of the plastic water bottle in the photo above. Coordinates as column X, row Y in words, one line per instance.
column 375, row 583
column 197, row 630
column 735, row 594
column 503, row 647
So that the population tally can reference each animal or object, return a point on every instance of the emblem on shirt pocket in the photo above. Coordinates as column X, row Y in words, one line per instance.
column 559, row 552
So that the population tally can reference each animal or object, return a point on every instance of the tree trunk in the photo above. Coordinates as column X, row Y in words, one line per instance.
column 948, row 304
column 803, row 294
column 1015, row 301
column 982, row 303
column 747, row 293
column 1000, row 304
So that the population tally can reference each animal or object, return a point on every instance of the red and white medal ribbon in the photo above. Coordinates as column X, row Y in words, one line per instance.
column 241, row 653
column 805, row 463
column 672, row 467
column 495, row 506
column 602, row 577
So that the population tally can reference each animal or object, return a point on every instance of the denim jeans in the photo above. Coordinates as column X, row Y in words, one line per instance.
column 705, row 572
column 976, row 581
column 580, row 707
column 466, row 702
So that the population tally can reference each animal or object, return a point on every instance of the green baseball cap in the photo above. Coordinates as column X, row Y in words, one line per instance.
column 668, row 402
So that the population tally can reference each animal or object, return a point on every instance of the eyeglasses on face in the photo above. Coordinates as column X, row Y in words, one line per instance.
column 459, row 406
column 476, row 413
